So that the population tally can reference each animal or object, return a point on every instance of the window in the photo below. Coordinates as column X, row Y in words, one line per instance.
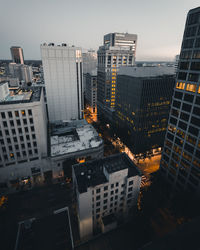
column 23, row 113
column 27, row 137
column 97, row 204
column 16, row 113
column 98, row 197
column 13, row 131
column 193, row 78
column 20, row 130
column 105, row 201
column 130, row 195
column 31, row 120
column 116, row 197
column 21, row 138
column 105, row 188
column 180, row 85
column 98, row 190
column 112, row 192
column 32, row 129
column 10, row 114
column 3, row 115
column 5, row 124
column 188, row 98
column 105, row 195
column 186, row 107
column 97, row 210
column 130, row 189
column 30, row 112
column 12, row 123
column 117, row 184
column 191, row 87
column 104, row 207
column 18, row 122
column 25, row 121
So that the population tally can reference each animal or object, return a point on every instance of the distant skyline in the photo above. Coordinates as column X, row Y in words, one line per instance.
column 158, row 24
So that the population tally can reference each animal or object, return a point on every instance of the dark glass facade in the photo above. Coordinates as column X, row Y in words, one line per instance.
column 180, row 162
column 142, row 111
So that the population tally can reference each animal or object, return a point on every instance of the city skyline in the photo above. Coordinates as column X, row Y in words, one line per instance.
column 74, row 22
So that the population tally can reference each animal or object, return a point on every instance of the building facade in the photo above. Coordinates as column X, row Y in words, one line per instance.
column 109, row 186
column 180, row 162
column 22, row 72
column 143, row 102
column 91, row 93
column 17, row 54
column 23, row 132
column 118, row 50
column 62, row 66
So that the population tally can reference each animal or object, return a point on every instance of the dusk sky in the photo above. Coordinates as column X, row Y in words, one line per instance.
column 159, row 24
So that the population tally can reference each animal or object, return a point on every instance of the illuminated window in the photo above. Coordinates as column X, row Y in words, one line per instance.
column 199, row 90
column 191, row 87
column 180, row 85
column 23, row 112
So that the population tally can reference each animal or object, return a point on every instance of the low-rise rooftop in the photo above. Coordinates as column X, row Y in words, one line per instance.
column 68, row 137
column 91, row 174
column 47, row 233
column 22, row 95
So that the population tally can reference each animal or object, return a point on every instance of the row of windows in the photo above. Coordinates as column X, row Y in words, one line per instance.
column 16, row 113
column 18, row 155
column 18, row 122
column 188, row 54
column 14, row 131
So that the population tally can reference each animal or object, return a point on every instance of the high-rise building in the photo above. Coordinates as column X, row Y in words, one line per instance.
column 21, row 71
column 176, row 63
column 17, row 54
column 118, row 50
column 63, row 77
column 180, row 162
column 91, row 93
column 143, row 102
column 89, row 61
column 106, row 190
column 23, row 131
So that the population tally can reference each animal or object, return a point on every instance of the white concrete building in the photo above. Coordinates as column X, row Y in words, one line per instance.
column 103, row 187
column 119, row 50
column 62, row 67
column 23, row 132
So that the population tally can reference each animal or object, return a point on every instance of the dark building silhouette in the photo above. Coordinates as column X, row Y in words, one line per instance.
column 180, row 162
column 143, row 103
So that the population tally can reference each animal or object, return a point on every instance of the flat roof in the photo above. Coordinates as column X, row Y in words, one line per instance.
column 90, row 173
column 23, row 95
column 72, row 136
column 146, row 71
column 48, row 233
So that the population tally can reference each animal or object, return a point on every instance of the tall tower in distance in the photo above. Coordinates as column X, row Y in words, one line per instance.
column 180, row 162
column 17, row 54
column 118, row 50
column 63, row 77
